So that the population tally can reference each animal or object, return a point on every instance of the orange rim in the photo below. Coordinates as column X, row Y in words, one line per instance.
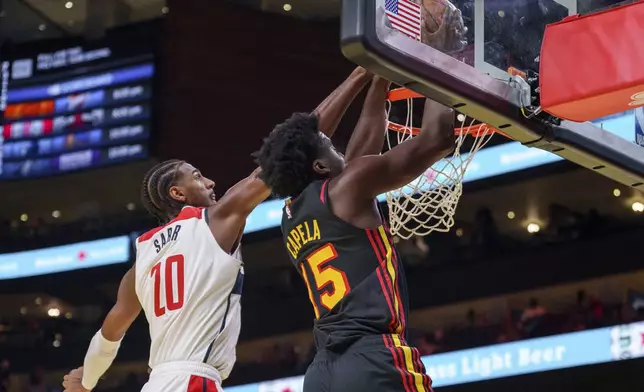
column 402, row 93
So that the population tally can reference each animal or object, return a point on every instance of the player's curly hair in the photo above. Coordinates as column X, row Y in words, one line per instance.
column 155, row 190
column 288, row 153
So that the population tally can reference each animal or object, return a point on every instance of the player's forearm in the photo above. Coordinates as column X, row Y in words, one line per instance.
column 369, row 134
column 437, row 133
column 412, row 158
column 98, row 359
column 244, row 196
column 332, row 109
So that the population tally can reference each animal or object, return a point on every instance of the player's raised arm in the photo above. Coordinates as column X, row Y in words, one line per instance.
column 367, row 177
column 332, row 109
column 105, row 344
column 369, row 134
column 228, row 217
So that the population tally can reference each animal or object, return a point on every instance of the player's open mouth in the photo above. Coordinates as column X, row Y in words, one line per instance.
column 213, row 197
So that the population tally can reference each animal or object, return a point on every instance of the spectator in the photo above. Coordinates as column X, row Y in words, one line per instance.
column 531, row 317
column 533, row 310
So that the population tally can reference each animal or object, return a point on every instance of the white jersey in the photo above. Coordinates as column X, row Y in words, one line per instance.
column 190, row 291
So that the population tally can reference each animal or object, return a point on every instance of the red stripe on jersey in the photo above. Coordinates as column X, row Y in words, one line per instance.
column 201, row 384
column 398, row 360
column 195, row 384
column 420, row 368
column 211, row 386
column 380, row 271
column 322, row 194
column 186, row 213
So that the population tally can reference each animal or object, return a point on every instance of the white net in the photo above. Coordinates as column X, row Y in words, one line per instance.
column 429, row 202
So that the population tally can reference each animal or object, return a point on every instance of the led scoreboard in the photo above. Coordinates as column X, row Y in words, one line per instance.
column 73, row 107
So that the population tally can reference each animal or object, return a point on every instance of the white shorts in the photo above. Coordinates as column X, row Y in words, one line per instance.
column 183, row 377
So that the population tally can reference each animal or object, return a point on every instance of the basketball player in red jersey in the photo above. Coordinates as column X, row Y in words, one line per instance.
column 188, row 273
column 338, row 240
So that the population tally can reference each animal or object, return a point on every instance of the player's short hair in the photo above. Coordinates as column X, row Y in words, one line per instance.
column 288, row 153
column 155, row 190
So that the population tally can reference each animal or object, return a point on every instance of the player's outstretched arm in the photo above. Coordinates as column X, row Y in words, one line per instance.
column 369, row 134
column 369, row 176
column 228, row 217
column 332, row 109
column 105, row 344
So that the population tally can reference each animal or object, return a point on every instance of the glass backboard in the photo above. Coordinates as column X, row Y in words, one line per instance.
column 459, row 53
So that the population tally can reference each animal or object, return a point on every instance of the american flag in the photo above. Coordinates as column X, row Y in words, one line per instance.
column 404, row 16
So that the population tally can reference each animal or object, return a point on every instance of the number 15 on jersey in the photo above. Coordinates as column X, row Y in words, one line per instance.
column 330, row 282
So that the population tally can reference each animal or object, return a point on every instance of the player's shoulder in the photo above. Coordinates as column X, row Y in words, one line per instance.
column 187, row 213
column 312, row 195
column 315, row 189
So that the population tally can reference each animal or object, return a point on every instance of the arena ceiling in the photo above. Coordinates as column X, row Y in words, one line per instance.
column 27, row 20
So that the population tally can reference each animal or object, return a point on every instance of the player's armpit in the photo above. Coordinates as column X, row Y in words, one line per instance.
column 228, row 217
column 367, row 177
column 369, row 134
column 332, row 109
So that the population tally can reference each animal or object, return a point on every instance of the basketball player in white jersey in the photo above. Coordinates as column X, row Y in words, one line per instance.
column 188, row 273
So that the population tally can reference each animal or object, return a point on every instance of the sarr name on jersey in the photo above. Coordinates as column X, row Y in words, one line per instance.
column 170, row 234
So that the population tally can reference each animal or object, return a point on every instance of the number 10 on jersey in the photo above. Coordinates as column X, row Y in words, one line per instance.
column 168, row 284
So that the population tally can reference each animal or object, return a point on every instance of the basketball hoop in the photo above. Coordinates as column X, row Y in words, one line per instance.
column 429, row 202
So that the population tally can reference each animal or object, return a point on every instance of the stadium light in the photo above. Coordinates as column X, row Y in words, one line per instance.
column 53, row 312
column 533, row 228
column 638, row 207
column 287, row 7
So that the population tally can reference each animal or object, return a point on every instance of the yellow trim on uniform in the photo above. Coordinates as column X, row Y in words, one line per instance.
column 392, row 274
column 409, row 364
column 308, row 288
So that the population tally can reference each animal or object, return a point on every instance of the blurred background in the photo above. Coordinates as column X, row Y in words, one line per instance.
column 94, row 92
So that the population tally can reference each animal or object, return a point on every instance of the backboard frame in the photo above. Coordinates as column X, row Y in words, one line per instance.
column 367, row 40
